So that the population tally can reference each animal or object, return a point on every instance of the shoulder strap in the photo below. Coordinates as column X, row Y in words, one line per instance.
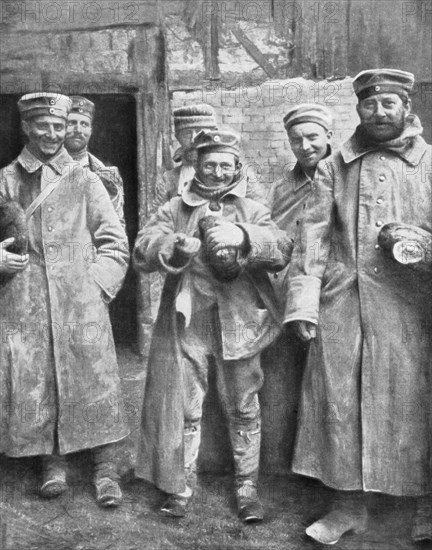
column 40, row 198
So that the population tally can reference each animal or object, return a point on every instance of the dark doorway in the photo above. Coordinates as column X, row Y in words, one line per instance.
column 114, row 142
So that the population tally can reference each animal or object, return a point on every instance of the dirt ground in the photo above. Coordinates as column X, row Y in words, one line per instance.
column 74, row 521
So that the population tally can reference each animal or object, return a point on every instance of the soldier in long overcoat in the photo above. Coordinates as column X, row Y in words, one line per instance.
column 364, row 421
column 309, row 131
column 59, row 382
column 210, row 311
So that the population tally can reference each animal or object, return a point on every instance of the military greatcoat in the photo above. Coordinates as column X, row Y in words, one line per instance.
column 58, row 368
column 365, row 419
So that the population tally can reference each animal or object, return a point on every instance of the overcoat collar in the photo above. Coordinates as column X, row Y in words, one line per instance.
column 31, row 164
column 356, row 147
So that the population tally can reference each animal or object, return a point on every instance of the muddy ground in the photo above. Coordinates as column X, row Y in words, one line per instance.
column 74, row 522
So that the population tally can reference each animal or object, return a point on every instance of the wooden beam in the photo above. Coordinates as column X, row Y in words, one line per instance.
column 253, row 51
column 152, row 102
column 80, row 15
column 68, row 83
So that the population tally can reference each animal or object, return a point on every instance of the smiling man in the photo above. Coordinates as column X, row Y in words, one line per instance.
column 60, row 384
column 188, row 122
column 79, row 129
column 216, row 247
column 309, row 130
column 362, row 425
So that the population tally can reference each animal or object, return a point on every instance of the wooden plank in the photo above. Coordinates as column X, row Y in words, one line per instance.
column 77, row 15
column 153, row 136
column 68, row 83
column 254, row 51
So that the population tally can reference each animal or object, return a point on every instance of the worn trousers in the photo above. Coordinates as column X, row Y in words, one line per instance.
column 237, row 384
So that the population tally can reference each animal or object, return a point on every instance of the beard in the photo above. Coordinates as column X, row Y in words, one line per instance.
column 75, row 144
column 385, row 130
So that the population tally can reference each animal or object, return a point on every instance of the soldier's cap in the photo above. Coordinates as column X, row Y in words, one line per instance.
column 194, row 116
column 308, row 112
column 222, row 141
column 82, row 106
column 44, row 103
column 379, row 81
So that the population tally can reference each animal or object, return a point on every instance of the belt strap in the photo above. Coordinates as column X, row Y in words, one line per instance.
column 40, row 198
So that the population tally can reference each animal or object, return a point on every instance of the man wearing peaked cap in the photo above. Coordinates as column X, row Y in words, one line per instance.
column 78, row 133
column 355, row 302
column 380, row 81
column 54, row 297
column 188, row 122
column 214, row 245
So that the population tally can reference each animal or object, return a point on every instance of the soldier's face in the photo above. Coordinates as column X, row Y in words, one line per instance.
column 383, row 115
column 78, row 132
column 45, row 133
column 216, row 169
column 309, row 142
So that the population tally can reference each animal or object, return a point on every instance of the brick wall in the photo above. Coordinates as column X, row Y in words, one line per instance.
column 256, row 114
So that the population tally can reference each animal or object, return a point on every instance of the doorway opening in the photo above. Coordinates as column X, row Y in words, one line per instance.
column 114, row 142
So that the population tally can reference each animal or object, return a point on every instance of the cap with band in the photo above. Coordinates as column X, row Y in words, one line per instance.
column 222, row 141
column 194, row 116
column 379, row 81
column 44, row 103
column 83, row 106
column 308, row 112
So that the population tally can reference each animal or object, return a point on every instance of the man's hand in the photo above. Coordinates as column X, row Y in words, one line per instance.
column 11, row 263
column 305, row 330
column 187, row 246
column 224, row 235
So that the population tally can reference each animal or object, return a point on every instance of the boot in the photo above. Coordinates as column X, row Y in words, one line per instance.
column 176, row 505
column 348, row 515
column 106, row 478
column 422, row 527
column 250, row 509
column 53, row 476
column 246, row 442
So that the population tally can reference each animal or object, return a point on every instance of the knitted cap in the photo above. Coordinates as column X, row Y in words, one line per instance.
column 44, row 103
column 308, row 112
column 217, row 140
column 83, row 106
column 194, row 116
column 378, row 81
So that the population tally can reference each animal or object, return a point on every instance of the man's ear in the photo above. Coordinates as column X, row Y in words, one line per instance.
column 329, row 134
column 408, row 106
column 25, row 127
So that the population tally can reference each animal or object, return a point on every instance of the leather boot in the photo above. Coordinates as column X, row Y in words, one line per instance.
column 53, row 476
column 349, row 514
column 105, row 477
column 422, row 526
column 246, row 442
column 176, row 505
